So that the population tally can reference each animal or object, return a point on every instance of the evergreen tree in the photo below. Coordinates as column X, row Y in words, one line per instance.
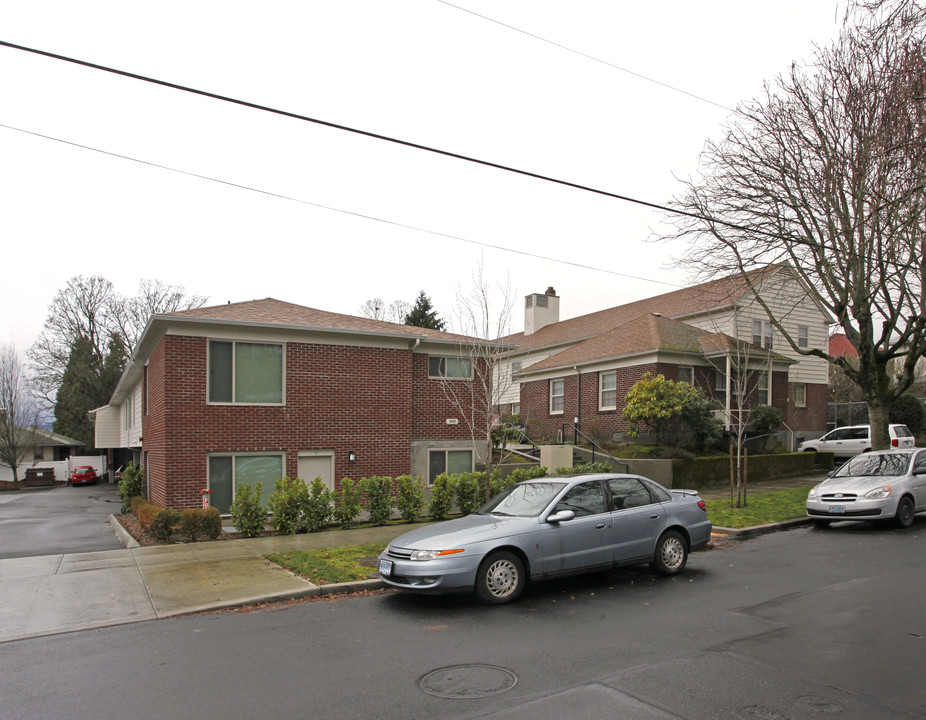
column 88, row 383
column 77, row 395
column 423, row 314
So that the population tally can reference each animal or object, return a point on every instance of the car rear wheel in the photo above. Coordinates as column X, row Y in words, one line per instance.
column 905, row 512
column 501, row 578
column 671, row 554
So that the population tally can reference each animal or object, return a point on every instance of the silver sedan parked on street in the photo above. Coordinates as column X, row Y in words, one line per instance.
column 548, row 527
column 885, row 485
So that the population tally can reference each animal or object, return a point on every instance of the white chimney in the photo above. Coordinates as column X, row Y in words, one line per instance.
column 540, row 311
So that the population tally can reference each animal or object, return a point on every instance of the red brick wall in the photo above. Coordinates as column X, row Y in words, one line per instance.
column 370, row 400
column 535, row 401
column 812, row 417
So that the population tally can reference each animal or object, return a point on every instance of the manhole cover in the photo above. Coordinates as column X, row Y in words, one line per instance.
column 468, row 681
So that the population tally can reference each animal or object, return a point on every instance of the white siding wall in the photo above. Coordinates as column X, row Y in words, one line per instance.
column 107, row 428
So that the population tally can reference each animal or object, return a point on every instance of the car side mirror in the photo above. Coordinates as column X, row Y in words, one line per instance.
column 561, row 516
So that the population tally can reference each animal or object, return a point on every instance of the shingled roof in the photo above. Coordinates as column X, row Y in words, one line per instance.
column 687, row 302
column 270, row 311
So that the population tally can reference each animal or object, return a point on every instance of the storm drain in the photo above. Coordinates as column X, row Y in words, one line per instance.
column 468, row 681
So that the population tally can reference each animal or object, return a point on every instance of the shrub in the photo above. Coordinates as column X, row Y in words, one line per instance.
column 137, row 502
column 162, row 527
column 146, row 514
column 765, row 418
column 131, row 485
column 210, row 522
column 411, row 497
column 379, row 498
column 517, row 475
column 286, row 505
column 706, row 430
column 347, row 502
column 469, row 489
column 908, row 410
column 585, row 468
column 441, row 497
column 317, row 511
column 247, row 514
column 190, row 523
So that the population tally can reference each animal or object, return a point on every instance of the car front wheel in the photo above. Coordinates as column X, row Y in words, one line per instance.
column 671, row 554
column 905, row 512
column 501, row 578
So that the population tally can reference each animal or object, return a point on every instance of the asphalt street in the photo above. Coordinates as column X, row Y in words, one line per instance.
column 797, row 624
column 60, row 520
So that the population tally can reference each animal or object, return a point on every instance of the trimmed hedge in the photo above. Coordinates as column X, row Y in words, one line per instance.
column 710, row 472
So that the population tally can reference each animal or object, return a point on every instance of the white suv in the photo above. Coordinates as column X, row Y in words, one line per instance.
column 855, row 439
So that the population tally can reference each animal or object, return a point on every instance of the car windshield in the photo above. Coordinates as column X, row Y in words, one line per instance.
column 875, row 464
column 525, row 500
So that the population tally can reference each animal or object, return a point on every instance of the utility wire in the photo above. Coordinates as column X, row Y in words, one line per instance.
column 353, row 213
column 406, row 143
column 586, row 55
column 364, row 133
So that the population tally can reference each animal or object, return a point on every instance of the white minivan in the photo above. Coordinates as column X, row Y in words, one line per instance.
column 855, row 439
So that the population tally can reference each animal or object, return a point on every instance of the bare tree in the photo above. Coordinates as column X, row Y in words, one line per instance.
column 130, row 315
column 377, row 309
column 19, row 410
column 483, row 316
column 90, row 307
column 826, row 174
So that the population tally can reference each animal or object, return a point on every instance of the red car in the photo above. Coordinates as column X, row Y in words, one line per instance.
column 83, row 475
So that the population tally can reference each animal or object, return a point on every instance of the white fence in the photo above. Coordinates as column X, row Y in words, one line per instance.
column 62, row 468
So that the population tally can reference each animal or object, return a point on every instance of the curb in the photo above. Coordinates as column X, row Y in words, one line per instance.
column 122, row 535
column 759, row 529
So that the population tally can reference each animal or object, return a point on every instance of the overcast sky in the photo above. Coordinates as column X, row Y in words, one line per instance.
column 134, row 181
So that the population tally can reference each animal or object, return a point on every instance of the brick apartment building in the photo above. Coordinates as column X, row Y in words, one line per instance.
column 252, row 391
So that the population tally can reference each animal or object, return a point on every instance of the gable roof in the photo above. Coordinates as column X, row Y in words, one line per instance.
column 678, row 304
column 270, row 311
column 647, row 333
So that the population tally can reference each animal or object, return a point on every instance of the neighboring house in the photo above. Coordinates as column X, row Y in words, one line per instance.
column 252, row 391
column 581, row 369
column 42, row 447
column 840, row 346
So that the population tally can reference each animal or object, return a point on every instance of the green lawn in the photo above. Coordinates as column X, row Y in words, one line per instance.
column 331, row 565
column 762, row 508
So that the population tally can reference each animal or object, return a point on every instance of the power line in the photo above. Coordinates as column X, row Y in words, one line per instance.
column 356, row 131
column 406, row 143
column 586, row 55
column 331, row 208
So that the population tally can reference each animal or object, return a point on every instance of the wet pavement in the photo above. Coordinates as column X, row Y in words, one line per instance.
column 65, row 592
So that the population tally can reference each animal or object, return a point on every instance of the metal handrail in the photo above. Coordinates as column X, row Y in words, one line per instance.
column 577, row 433
column 522, row 437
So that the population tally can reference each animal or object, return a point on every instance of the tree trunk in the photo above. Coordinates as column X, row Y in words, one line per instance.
column 878, row 417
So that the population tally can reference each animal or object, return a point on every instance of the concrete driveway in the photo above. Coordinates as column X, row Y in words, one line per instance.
column 60, row 520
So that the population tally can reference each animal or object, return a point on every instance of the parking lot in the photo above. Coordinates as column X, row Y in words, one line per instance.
column 59, row 520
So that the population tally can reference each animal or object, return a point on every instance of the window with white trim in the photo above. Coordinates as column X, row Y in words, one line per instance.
column 450, row 367
column 607, row 390
column 762, row 388
column 800, row 394
column 685, row 374
column 245, row 373
column 720, row 387
column 803, row 336
column 762, row 333
column 557, row 393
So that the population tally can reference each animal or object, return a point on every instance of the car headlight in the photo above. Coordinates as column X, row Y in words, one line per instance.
column 879, row 493
column 812, row 495
column 431, row 554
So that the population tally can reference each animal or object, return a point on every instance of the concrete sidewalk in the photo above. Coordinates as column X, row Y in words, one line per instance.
column 62, row 593
column 51, row 594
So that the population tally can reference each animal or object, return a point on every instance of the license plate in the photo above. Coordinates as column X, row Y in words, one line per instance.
column 385, row 567
column 836, row 509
